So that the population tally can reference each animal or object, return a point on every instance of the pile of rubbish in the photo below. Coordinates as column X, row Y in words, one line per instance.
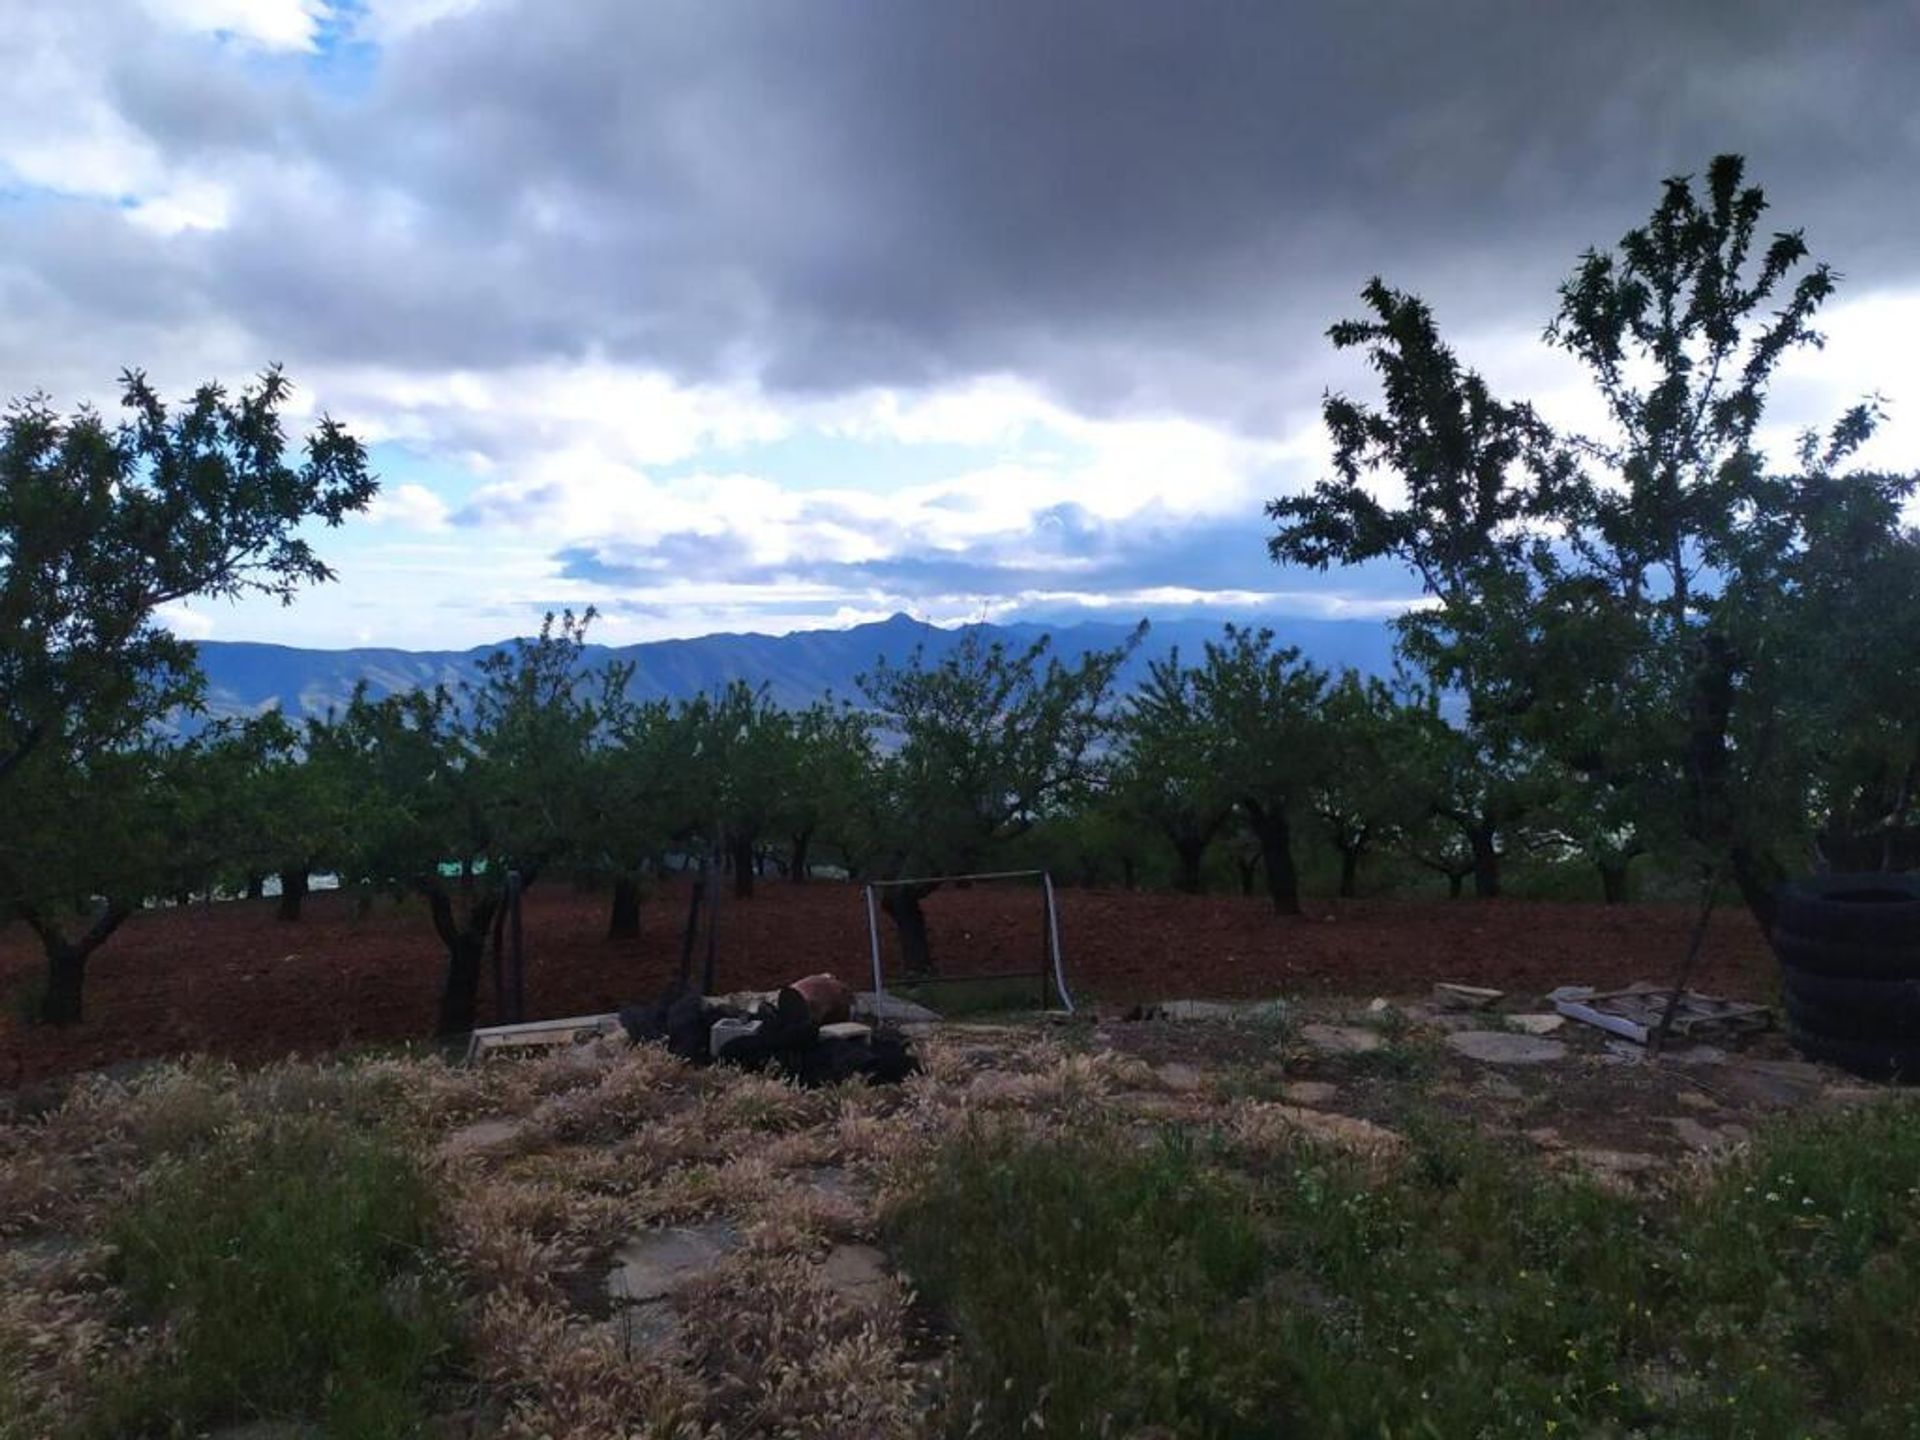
column 803, row 1031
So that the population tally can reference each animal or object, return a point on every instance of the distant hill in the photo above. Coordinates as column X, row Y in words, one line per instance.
column 243, row 677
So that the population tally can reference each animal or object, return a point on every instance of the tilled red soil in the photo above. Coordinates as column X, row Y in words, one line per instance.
column 230, row 980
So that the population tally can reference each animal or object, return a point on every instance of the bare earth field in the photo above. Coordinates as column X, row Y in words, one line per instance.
column 229, row 980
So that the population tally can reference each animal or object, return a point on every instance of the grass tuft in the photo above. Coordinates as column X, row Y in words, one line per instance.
column 286, row 1266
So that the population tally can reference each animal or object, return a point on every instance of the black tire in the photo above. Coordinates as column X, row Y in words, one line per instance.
column 1846, row 959
column 1871, row 1059
column 1853, row 1009
column 1859, row 927
column 1871, row 910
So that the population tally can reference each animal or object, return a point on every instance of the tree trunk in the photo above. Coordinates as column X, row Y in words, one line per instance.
column 1486, row 860
column 1192, row 853
column 466, row 956
column 802, row 842
column 293, row 890
column 624, row 922
column 1613, row 881
column 902, row 902
column 256, row 887
column 1349, row 871
column 66, row 982
column 1456, row 882
column 1275, row 835
column 742, row 854
column 1248, row 866
column 1759, row 878
column 63, row 1004
column 1129, row 879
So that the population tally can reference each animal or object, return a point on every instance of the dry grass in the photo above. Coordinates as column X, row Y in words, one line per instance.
column 543, row 1167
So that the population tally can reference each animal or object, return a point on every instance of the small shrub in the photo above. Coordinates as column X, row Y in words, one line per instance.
column 287, row 1261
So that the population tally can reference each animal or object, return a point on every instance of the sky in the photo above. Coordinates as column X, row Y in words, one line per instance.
column 767, row 315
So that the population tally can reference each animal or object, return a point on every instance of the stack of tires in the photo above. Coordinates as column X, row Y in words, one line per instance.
column 1849, row 948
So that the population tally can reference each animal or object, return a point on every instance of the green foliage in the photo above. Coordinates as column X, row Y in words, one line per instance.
column 1635, row 602
column 989, row 742
column 1371, row 785
column 1098, row 1287
column 101, row 526
column 1167, row 777
column 290, row 1260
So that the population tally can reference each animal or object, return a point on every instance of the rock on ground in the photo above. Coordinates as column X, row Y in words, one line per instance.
column 1502, row 1047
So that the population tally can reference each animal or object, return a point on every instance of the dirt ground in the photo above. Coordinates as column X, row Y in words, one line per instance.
column 230, row 980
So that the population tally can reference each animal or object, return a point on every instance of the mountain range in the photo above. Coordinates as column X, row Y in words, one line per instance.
column 244, row 677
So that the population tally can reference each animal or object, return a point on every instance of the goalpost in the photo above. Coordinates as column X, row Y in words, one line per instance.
column 1052, row 974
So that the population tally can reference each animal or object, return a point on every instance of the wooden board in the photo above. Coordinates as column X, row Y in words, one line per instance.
column 1635, row 1013
column 540, row 1034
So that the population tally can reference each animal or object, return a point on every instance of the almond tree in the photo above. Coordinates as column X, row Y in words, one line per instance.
column 100, row 527
column 1259, row 710
column 988, row 741
column 454, row 802
column 1631, row 601
column 1165, row 775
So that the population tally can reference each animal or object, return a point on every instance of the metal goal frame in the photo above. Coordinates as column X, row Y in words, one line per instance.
column 1050, row 912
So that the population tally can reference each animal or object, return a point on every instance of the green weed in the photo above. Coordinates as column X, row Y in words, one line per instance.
column 1098, row 1288
column 289, row 1262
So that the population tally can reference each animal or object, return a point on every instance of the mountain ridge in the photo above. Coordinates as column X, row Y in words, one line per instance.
column 246, row 677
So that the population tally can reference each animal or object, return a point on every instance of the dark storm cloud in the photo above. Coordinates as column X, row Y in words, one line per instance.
column 1133, row 203
column 1067, row 550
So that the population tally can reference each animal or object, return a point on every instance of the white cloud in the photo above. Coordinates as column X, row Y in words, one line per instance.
column 185, row 621
column 409, row 506
column 385, row 21
column 192, row 205
column 270, row 24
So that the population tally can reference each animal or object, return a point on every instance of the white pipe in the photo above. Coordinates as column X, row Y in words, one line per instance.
column 1053, row 942
column 873, row 934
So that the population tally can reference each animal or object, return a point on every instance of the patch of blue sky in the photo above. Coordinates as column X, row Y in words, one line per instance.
column 813, row 459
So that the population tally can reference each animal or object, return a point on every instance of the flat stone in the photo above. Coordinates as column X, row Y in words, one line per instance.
column 891, row 1010
column 1547, row 1137
column 1342, row 1039
column 1695, row 1136
column 1465, row 997
column 644, row 1328
column 1536, row 1024
column 856, row 1272
column 1498, row 1087
column 652, row 1264
column 1178, row 1076
column 1195, row 1010
column 1309, row 1092
column 481, row 1136
column 1849, row 1095
column 1776, row 1084
column 836, row 1182
column 1616, row 1162
column 1694, row 1100
column 1502, row 1047
column 846, row 1030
